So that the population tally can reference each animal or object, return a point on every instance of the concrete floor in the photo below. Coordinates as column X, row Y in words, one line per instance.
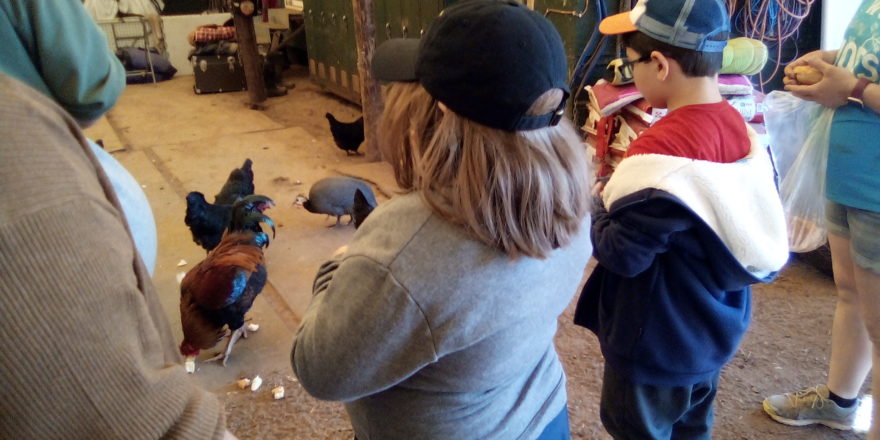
column 174, row 141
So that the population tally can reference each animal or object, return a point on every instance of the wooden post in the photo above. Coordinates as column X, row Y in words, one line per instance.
column 371, row 95
column 247, row 49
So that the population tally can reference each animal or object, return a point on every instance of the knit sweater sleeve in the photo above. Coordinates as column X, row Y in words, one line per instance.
column 362, row 333
column 85, row 349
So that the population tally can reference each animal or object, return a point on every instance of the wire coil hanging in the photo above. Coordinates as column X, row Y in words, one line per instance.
column 772, row 21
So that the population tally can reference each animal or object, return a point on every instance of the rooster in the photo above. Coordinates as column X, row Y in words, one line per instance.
column 217, row 292
column 348, row 136
column 207, row 221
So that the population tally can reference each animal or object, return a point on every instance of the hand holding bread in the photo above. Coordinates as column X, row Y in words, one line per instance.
column 807, row 75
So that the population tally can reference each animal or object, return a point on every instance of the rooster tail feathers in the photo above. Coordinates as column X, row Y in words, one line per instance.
column 254, row 201
column 247, row 215
column 262, row 239
column 252, row 222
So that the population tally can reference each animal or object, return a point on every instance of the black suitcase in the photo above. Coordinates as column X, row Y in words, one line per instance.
column 218, row 73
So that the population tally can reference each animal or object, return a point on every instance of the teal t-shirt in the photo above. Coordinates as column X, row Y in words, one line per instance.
column 853, row 176
column 55, row 47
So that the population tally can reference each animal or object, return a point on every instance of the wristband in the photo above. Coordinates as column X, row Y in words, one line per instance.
column 858, row 91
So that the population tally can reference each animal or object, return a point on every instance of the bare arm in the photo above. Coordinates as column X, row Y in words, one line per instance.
column 835, row 87
column 827, row 56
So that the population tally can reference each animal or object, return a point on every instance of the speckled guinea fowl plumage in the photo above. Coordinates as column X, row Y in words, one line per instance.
column 335, row 196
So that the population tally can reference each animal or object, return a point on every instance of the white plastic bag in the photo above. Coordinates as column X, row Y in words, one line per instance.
column 786, row 117
column 799, row 132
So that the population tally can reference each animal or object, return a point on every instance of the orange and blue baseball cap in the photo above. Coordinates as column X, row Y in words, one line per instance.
column 700, row 25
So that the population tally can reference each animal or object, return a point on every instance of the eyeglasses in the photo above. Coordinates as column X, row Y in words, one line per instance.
column 628, row 64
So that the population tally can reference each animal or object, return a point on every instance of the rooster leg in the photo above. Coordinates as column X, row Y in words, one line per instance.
column 337, row 223
column 223, row 357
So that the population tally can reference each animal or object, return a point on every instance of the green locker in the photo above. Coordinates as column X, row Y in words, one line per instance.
column 410, row 19
column 313, row 36
column 331, row 46
column 331, row 40
column 429, row 11
column 393, row 19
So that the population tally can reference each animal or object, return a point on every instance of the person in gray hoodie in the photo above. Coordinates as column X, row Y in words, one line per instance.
column 437, row 321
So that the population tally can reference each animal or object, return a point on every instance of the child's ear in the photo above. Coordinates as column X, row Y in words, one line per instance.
column 663, row 65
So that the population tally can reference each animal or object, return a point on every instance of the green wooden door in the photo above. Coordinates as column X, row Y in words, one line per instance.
column 331, row 40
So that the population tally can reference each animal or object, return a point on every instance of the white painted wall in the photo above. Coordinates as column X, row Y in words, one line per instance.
column 176, row 28
column 836, row 15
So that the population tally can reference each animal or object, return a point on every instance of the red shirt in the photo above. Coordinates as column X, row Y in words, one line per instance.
column 712, row 132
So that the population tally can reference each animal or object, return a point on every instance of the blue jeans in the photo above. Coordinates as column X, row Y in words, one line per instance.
column 861, row 227
column 634, row 411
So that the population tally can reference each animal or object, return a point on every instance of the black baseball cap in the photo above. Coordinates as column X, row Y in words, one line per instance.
column 487, row 60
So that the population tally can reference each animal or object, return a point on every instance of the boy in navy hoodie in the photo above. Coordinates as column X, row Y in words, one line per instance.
column 688, row 221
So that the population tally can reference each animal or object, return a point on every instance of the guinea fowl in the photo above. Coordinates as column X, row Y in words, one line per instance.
column 335, row 196
column 219, row 291
column 348, row 136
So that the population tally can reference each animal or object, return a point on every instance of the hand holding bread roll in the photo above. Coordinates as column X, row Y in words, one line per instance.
column 807, row 75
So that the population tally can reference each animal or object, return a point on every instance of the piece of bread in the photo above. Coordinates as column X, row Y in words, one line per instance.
column 807, row 75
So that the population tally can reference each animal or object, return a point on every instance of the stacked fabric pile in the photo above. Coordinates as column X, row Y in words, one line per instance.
column 617, row 114
column 213, row 40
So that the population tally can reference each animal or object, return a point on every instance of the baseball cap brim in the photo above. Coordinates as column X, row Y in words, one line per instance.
column 617, row 24
column 395, row 60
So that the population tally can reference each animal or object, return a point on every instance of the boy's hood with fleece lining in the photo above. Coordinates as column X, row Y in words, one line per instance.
column 738, row 200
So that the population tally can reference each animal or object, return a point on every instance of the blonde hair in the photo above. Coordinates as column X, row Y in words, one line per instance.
column 525, row 193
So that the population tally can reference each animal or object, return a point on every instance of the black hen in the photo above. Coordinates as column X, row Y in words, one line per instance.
column 207, row 222
column 348, row 136
column 239, row 184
